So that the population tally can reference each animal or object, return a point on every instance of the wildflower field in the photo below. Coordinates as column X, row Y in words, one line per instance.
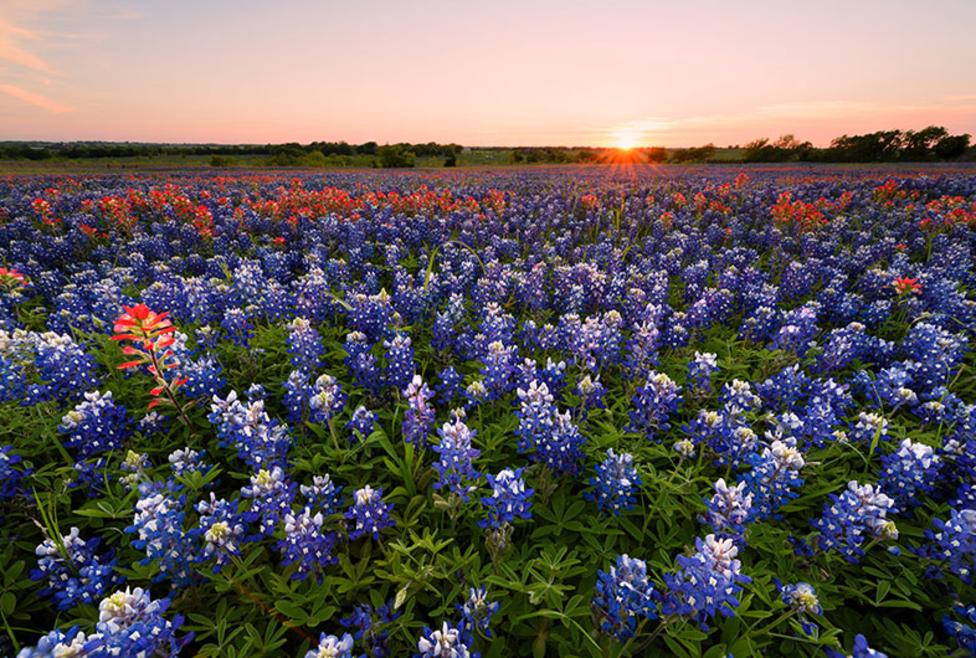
column 591, row 412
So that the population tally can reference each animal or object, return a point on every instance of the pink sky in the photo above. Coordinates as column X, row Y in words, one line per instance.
column 563, row 72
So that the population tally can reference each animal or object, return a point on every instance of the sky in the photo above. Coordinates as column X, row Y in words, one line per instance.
column 565, row 72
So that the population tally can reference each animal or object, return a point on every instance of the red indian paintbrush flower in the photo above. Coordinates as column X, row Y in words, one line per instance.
column 906, row 285
column 11, row 279
column 150, row 337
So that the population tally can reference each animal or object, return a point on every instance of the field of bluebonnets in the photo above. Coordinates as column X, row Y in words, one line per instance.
column 574, row 412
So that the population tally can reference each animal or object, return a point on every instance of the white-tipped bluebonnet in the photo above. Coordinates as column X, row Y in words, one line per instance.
column 221, row 529
column 322, row 494
column 708, row 582
column 961, row 626
column 653, row 405
column 859, row 513
column 509, row 499
column 477, row 610
column 368, row 513
column 561, row 449
column 331, row 646
column 325, row 399
column 535, row 415
column 446, row 642
column 362, row 364
column 700, row 371
column 868, row 427
column 304, row 345
column 306, row 545
column 774, row 479
column 186, row 460
column 96, row 425
column 728, row 509
column 952, row 542
column 802, row 599
column 624, row 597
column 158, row 528
column 455, row 453
column 75, row 572
column 361, row 424
column 910, row 471
column 616, row 483
column 400, row 366
column 418, row 421
column 260, row 440
column 271, row 495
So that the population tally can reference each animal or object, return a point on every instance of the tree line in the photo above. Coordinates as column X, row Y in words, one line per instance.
column 933, row 143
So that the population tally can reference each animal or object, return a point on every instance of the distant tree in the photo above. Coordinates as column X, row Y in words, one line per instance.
column 655, row 154
column 395, row 156
column 951, row 147
column 219, row 161
column 921, row 145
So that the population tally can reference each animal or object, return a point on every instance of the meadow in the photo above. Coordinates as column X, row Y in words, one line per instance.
column 570, row 411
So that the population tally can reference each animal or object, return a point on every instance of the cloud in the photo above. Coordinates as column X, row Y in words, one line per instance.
column 806, row 112
column 37, row 100
column 12, row 51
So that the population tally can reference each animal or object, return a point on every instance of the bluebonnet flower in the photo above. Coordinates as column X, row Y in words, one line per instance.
column 562, row 448
column 728, row 509
column 74, row 570
column 260, row 440
column 158, row 529
column 306, row 545
column 591, row 393
column 361, row 424
column 305, row 345
column 129, row 624
column 737, row 396
column 708, row 582
column 370, row 627
column 774, row 478
column 449, row 384
column 447, row 642
column 271, row 497
column 418, row 421
column 96, row 425
column 909, row 472
column 400, row 366
column 700, row 371
column 624, row 597
column 859, row 650
column 132, row 624
column 653, row 405
column 322, row 494
column 368, row 513
column 801, row 598
column 325, row 399
column 362, row 364
column 868, row 427
column 499, row 366
column 331, row 646
column 237, row 326
column 953, row 542
column 615, row 484
column 186, row 460
column 222, row 530
column 858, row 513
column 963, row 632
column 477, row 610
column 11, row 473
column 509, row 499
column 535, row 415
column 454, row 462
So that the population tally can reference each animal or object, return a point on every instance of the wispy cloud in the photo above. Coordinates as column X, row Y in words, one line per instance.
column 797, row 113
column 37, row 100
column 12, row 49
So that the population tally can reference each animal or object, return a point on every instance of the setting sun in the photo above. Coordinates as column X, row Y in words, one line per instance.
column 625, row 141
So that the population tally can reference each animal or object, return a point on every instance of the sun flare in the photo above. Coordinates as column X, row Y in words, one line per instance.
column 626, row 141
